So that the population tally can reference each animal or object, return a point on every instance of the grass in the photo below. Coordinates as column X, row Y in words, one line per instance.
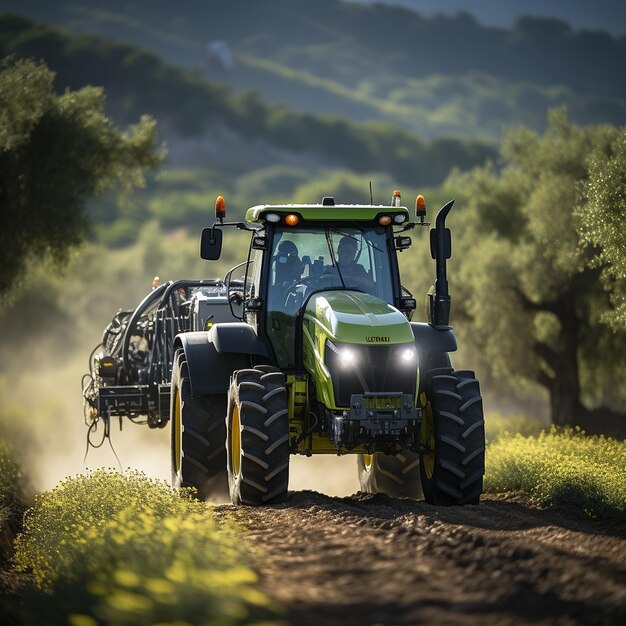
column 561, row 467
column 9, row 476
column 9, row 481
column 122, row 549
column 497, row 425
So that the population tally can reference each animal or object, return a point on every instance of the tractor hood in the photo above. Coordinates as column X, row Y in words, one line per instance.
column 356, row 317
column 378, row 334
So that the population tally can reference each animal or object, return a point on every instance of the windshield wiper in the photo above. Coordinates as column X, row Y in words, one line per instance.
column 329, row 243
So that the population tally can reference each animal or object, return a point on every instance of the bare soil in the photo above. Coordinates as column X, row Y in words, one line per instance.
column 376, row 560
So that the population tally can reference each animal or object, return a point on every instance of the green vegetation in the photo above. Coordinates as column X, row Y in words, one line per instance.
column 69, row 308
column 9, row 476
column 561, row 467
column 498, row 425
column 138, row 82
column 602, row 220
column 56, row 152
column 527, row 285
column 472, row 105
column 437, row 75
column 122, row 549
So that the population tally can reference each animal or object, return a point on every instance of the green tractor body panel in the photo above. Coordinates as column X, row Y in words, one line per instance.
column 318, row 212
column 367, row 329
column 357, row 317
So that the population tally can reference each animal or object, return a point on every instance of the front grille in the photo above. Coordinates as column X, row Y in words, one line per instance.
column 373, row 369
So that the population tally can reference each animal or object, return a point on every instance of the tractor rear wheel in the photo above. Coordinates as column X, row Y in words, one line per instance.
column 397, row 476
column 452, row 438
column 257, row 427
column 198, row 436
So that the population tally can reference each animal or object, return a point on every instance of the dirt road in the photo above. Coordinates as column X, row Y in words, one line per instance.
column 375, row 560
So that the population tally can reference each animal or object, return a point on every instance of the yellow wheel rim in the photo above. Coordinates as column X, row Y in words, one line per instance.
column 368, row 461
column 427, row 436
column 235, row 440
column 177, row 429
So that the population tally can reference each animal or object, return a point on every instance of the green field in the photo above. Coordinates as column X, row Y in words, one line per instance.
column 561, row 467
column 124, row 549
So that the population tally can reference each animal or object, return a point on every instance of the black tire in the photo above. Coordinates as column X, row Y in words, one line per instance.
column 397, row 476
column 198, row 437
column 452, row 459
column 258, row 461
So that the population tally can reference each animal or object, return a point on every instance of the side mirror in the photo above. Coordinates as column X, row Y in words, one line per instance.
column 236, row 297
column 211, row 244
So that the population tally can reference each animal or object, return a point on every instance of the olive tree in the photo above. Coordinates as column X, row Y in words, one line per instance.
column 602, row 221
column 528, row 283
column 56, row 152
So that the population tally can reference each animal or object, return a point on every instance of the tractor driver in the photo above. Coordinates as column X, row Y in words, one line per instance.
column 352, row 273
column 289, row 267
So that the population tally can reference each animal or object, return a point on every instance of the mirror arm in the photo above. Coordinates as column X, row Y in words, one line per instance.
column 239, row 225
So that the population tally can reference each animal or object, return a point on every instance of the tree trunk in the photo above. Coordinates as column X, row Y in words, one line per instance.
column 565, row 406
column 563, row 386
column 563, row 382
column 560, row 376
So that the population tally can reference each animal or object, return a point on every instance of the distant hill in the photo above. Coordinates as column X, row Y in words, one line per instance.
column 606, row 15
column 206, row 125
column 436, row 75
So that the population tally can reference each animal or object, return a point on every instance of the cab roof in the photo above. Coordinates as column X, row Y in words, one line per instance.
column 321, row 212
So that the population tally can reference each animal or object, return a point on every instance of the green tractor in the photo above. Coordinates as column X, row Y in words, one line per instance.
column 325, row 360
column 305, row 348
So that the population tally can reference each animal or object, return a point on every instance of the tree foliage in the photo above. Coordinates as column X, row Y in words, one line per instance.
column 602, row 220
column 56, row 152
column 527, row 281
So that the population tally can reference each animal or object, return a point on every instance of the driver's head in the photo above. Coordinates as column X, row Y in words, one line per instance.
column 286, row 249
column 346, row 252
column 288, row 264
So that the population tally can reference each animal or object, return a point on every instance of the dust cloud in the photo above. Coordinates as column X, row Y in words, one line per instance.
column 42, row 390
column 46, row 397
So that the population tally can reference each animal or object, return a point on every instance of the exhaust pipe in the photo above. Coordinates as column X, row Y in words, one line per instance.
column 440, row 250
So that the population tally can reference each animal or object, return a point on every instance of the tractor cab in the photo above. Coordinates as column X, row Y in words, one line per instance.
column 298, row 251
column 317, row 258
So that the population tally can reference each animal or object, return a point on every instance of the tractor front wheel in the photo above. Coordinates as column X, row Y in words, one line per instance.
column 257, row 427
column 452, row 438
column 397, row 476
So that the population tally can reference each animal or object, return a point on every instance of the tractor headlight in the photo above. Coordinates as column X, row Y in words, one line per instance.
column 408, row 355
column 347, row 357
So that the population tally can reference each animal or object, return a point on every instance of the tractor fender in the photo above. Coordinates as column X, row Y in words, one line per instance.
column 433, row 345
column 236, row 337
column 213, row 356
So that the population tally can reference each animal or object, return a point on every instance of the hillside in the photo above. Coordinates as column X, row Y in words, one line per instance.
column 436, row 75
column 205, row 124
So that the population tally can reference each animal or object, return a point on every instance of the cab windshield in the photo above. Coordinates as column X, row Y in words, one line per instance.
column 313, row 259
